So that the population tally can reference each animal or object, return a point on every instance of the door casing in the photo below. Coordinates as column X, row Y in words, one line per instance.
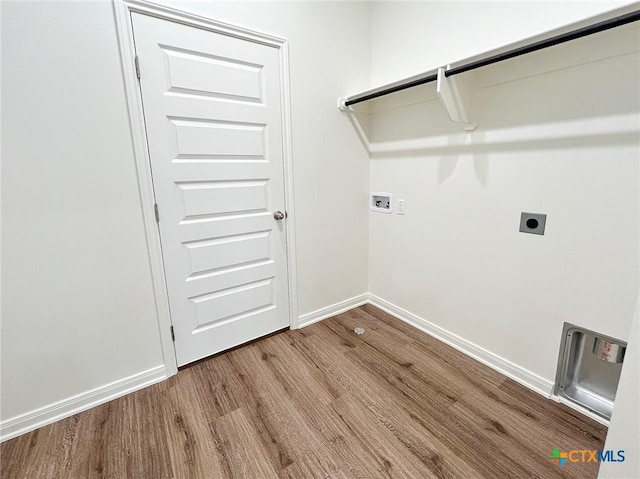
column 123, row 10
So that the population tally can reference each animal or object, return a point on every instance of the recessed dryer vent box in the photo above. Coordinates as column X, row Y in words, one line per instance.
column 381, row 202
column 589, row 367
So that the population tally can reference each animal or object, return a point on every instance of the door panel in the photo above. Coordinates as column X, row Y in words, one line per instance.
column 213, row 116
column 200, row 74
column 217, row 139
column 242, row 249
column 213, row 198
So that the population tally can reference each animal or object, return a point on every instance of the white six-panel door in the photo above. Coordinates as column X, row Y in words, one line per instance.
column 213, row 118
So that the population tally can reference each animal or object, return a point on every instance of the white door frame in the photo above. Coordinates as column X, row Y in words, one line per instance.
column 123, row 10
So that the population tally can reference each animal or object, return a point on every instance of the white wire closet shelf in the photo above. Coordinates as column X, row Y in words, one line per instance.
column 457, row 83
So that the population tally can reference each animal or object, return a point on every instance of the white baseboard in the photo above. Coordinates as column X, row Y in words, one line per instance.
column 509, row 369
column 68, row 407
column 332, row 310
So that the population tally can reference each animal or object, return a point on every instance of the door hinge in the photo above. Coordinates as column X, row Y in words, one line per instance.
column 173, row 335
column 137, row 62
column 155, row 210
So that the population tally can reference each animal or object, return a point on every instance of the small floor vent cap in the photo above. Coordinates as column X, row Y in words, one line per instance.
column 358, row 330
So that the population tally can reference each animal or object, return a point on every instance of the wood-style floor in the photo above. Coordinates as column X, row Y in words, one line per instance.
column 321, row 402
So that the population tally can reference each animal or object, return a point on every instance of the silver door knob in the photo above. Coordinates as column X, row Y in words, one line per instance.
column 278, row 215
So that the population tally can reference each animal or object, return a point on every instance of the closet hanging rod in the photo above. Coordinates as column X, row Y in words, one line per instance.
column 549, row 42
column 393, row 89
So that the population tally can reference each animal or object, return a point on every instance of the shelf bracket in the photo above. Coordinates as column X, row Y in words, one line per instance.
column 459, row 96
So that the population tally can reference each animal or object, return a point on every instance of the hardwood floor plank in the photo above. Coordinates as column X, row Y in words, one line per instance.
column 213, row 386
column 389, row 407
column 323, row 427
column 383, row 445
column 302, row 383
column 462, row 366
column 238, row 448
column 430, row 391
column 431, row 346
column 321, row 402
column 321, row 418
column 192, row 449
column 385, row 339
column 129, row 437
column 311, row 467
column 517, row 436
column 570, row 421
column 445, row 360
column 276, row 419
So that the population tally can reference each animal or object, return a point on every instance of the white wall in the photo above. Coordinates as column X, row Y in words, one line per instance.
column 624, row 430
column 77, row 301
column 557, row 134
column 78, row 310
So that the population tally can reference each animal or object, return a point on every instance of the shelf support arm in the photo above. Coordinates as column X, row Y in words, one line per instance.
column 459, row 96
